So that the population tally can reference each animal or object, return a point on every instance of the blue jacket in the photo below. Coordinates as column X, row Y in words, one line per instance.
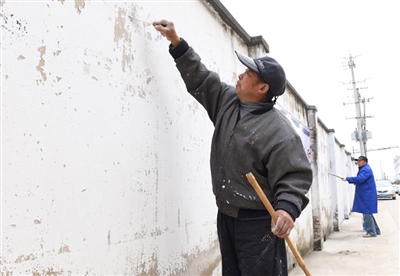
column 365, row 198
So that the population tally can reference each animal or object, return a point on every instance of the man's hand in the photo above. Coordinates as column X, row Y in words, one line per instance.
column 344, row 179
column 284, row 224
column 167, row 29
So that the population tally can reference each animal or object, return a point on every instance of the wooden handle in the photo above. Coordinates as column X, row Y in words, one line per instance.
column 271, row 211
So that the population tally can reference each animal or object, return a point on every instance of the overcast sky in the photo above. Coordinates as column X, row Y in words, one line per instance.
column 313, row 41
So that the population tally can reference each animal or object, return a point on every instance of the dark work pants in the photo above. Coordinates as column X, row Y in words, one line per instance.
column 248, row 247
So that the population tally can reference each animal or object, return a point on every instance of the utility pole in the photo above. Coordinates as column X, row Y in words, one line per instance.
column 366, row 133
column 361, row 134
column 357, row 97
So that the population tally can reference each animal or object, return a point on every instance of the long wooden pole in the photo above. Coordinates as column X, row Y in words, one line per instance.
column 271, row 211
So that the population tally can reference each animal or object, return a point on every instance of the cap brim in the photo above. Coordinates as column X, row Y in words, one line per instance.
column 247, row 61
column 361, row 158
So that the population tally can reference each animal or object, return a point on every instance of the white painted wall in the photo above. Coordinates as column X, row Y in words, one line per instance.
column 105, row 157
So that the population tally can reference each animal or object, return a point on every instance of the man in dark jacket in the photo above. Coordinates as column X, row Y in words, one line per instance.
column 365, row 198
column 250, row 136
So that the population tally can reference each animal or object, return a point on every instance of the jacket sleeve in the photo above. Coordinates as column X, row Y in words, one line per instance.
column 361, row 177
column 204, row 85
column 290, row 175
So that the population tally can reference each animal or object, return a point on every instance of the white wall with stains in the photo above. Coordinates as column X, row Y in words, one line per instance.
column 105, row 157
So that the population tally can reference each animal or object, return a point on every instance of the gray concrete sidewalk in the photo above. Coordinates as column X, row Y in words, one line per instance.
column 347, row 253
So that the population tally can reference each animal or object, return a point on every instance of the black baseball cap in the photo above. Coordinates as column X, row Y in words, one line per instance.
column 269, row 70
column 362, row 158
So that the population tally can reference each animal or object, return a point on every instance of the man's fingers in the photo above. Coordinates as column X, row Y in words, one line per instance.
column 283, row 225
column 162, row 23
column 282, row 232
column 281, row 229
column 158, row 24
column 167, row 29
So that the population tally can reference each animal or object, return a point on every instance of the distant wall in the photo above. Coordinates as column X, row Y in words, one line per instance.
column 105, row 157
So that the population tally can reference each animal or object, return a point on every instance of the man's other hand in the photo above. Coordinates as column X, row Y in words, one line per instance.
column 283, row 225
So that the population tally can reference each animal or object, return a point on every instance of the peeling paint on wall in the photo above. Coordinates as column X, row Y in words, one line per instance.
column 123, row 36
column 106, row 156
column 79, row 5
column 99, row 192
column 24, row 258
column 63, row 249
column 39, row 67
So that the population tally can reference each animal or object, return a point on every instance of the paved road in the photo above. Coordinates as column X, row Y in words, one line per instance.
column 347, row 253
column 393, row 207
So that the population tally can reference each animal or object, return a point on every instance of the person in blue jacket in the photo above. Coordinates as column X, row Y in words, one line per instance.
column 365, row 198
